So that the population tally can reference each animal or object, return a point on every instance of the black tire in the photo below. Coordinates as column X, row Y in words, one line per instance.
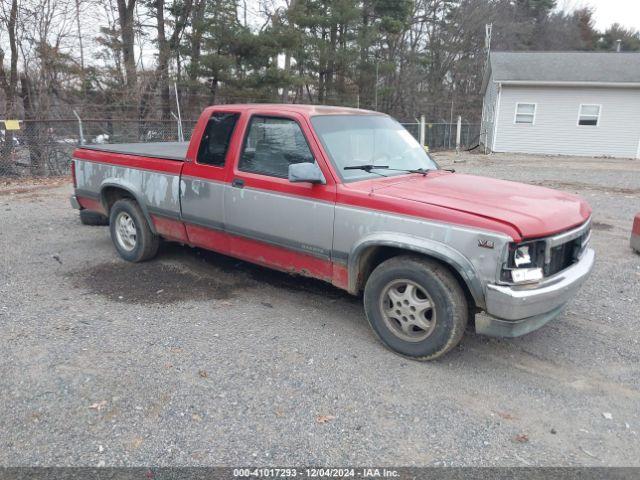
column 435, row 285
column 146, row 243
column 92, row 218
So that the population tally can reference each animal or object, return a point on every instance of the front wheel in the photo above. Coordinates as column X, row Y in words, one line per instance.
column 130, row 232
column 416, row 307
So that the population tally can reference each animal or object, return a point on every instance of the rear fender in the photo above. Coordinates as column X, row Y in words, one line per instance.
column 122, row 184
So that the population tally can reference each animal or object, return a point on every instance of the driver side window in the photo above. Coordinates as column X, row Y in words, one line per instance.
column 271, row 145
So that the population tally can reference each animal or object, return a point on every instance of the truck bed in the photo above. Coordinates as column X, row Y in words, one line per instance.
column 164, row 150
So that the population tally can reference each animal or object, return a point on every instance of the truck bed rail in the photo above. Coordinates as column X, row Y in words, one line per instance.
column 164, row 150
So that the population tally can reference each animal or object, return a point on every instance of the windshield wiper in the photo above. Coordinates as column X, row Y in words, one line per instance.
column 368, row 168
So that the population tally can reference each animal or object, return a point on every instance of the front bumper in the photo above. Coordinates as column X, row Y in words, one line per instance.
column 515, row 311
column 74, row 202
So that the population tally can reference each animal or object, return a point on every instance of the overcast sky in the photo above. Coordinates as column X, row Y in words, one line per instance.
column 624, row 12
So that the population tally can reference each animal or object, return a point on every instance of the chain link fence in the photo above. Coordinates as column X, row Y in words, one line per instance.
column 45, row 147
column 443, row 136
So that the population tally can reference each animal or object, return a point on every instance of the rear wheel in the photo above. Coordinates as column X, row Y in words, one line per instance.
column 92, row 218
column 416, row 307
column 130, row 232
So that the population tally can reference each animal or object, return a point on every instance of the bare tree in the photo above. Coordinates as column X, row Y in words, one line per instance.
column 9, row 82
column 166, row 46
column 126, row 10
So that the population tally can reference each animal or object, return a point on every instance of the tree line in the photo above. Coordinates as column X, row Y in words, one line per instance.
column 116, row 59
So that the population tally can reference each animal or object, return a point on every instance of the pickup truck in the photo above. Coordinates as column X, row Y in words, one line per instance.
column 348, row 196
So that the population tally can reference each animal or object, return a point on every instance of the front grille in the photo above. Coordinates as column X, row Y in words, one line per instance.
column 564, row 255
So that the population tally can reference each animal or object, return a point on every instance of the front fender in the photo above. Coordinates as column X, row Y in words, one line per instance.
column 424, row 246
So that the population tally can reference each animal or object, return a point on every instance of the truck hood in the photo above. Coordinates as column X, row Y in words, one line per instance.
column 533, row 211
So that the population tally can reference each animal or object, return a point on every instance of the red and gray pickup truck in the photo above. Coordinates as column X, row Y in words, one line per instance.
column 350, row 197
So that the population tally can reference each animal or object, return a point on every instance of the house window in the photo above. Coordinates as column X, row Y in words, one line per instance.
column 589, row 115
column 525, row 112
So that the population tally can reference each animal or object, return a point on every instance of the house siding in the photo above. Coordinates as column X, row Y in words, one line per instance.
column 556, row 131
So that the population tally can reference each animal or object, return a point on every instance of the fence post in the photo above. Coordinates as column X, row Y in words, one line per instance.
column 80, row 131
column 180, row 134
column 422, row 130
column 458, row 131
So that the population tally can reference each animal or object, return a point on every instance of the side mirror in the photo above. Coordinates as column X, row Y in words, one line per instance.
column 305, row 172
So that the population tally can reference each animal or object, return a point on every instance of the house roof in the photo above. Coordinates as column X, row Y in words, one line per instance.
column 563, row 67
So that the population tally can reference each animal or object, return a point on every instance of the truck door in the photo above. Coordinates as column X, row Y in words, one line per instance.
column 203, row 183
column 270, row 220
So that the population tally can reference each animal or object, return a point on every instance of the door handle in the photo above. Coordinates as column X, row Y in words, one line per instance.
column 238, row 183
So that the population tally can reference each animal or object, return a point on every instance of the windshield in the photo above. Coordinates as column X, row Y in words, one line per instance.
column 352, row 140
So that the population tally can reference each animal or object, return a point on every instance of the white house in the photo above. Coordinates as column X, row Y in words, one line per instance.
column 562, row 103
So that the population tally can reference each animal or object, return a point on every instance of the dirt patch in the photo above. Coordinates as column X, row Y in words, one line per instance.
column 182, row 273
column 260, row 275
column 152, row 283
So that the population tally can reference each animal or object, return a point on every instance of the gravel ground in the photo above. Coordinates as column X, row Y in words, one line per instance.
column 198, row 359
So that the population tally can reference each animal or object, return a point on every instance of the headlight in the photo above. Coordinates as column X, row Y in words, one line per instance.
column 524, row 263
column 522, row 256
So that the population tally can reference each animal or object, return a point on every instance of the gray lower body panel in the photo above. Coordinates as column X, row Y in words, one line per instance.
column 297, row 223
column 203, row 202
column 153, row 190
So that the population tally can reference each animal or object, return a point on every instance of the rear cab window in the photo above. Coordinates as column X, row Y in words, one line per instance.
column 216, row 138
